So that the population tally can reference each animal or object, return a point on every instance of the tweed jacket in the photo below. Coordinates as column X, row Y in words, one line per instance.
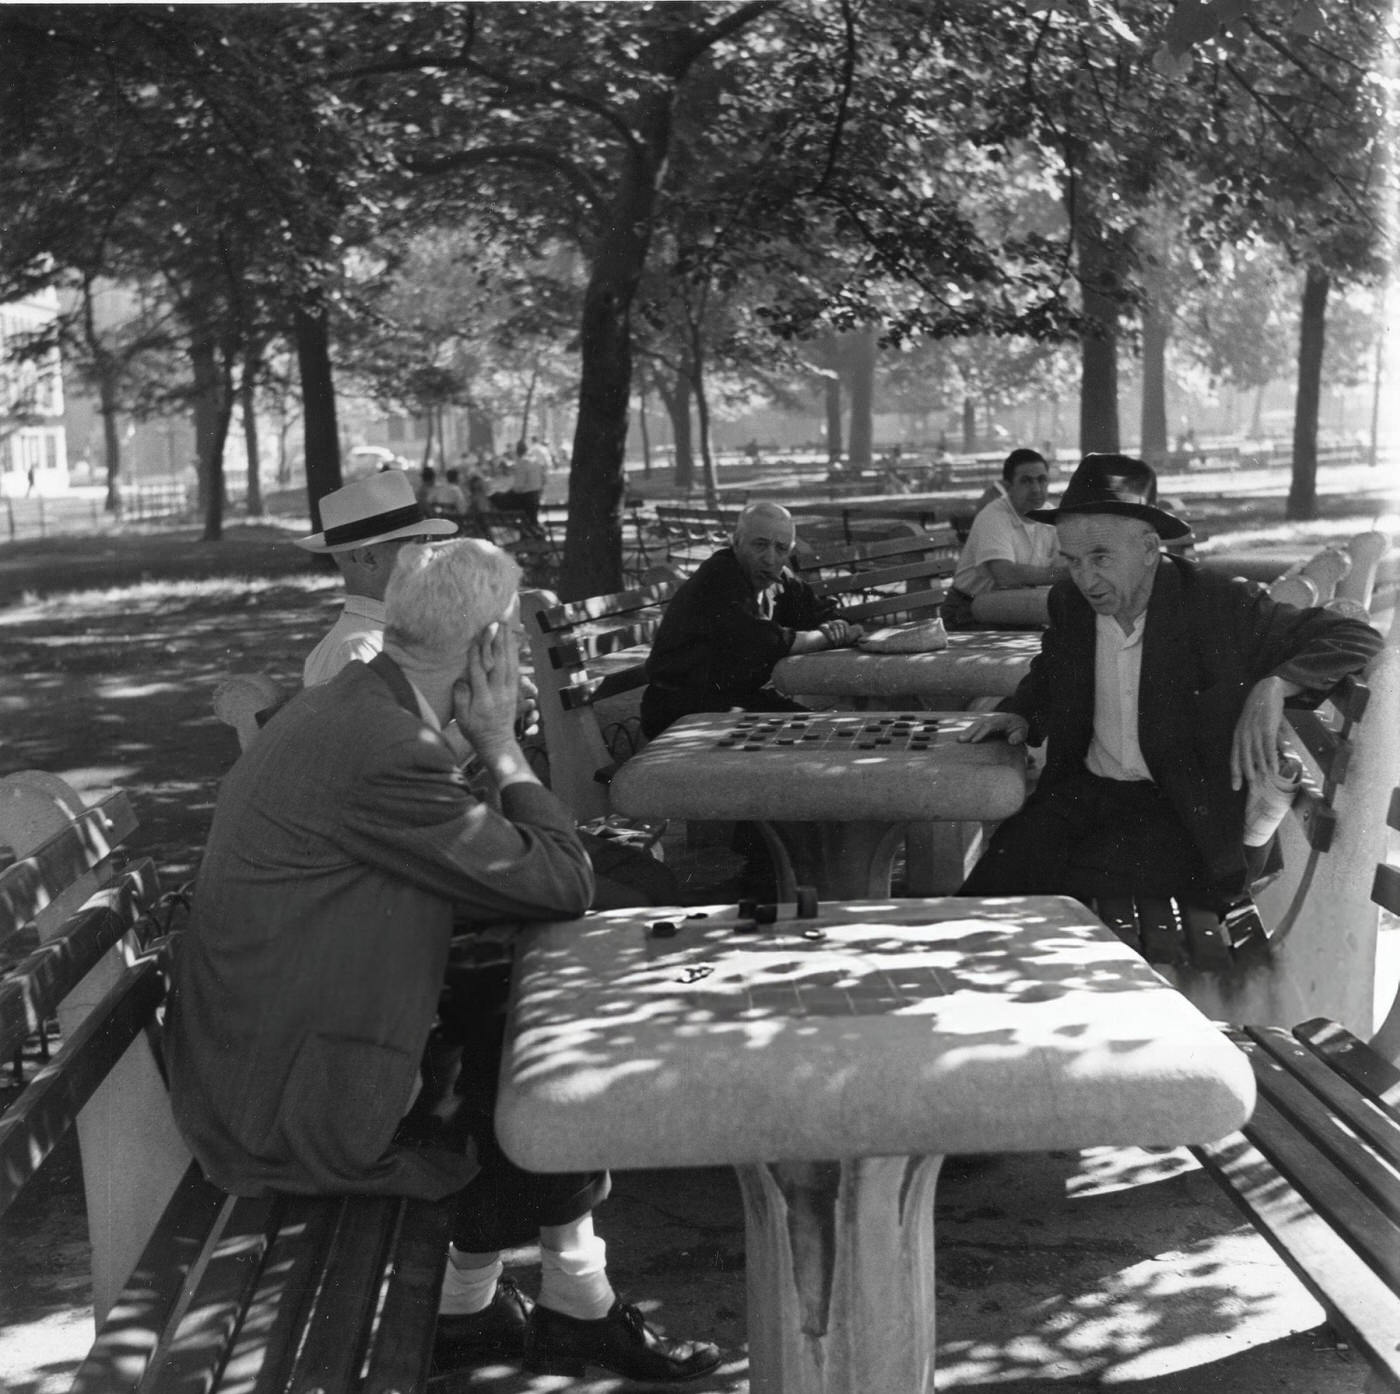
column 345, row 849
column 1208, row 641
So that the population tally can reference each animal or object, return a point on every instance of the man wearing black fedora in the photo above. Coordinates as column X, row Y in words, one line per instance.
column 1159, row 689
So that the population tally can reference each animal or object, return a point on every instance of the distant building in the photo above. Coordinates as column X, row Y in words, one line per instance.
column 33, row 454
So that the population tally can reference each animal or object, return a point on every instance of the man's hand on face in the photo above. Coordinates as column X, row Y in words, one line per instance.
column 1013, row 728
column 527, row 708
column 486, row 697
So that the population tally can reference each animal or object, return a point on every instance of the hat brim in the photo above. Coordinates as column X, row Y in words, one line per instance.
column 429, row 527
column 1167, row 527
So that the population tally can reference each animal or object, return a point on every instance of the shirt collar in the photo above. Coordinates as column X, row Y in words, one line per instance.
column 1107, row 627
column 430, row 717
column 365, row 606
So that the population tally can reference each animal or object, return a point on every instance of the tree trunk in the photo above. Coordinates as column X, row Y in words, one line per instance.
column 1098, row 392
column 213, row 409
column 318, row 406
column 481, row 431
column 111, row 442
column 831, row 387
column 1256, row 422
column 247, row 400
column 676, row 399
column 1302, row 491
column 864, row 349
column 593, row 540
column 1154, row 387
column 645, row 432
column 969, row 425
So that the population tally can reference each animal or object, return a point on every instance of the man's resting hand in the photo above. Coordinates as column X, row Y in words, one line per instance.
column 833, row 634
column 1014, row 728
column 1254, row 748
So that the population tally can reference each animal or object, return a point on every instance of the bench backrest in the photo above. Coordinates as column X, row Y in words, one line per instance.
column 75, row 921
column 882, row 581
column 583, row 651
column 1320, row 919
column 1385, row 892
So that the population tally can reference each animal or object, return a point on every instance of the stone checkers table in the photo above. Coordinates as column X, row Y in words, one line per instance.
column 976, row 663
column 834, row 1061
column 833, row 791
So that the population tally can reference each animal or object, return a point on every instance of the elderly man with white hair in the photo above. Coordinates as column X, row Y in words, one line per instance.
column 345, row 853
column 730, row 623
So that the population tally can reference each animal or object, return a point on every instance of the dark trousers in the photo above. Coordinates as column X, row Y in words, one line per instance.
column 1090, row 837
column 503, row 1206
column 526, row 501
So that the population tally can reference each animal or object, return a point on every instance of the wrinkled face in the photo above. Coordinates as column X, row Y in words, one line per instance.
column 763, row 546
column 1113, row 560
column 1029, row 486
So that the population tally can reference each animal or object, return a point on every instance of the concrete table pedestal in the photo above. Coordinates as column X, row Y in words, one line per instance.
column 839, row 1266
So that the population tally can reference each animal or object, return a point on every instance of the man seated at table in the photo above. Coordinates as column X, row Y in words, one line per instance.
column 368, row 523
column 1005, row 546
column 345, row 851
column 726, row 628
column 1160, row 689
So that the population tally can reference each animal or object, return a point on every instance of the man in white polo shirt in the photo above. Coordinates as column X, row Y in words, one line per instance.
column 1005, row 546
column 1160, row 691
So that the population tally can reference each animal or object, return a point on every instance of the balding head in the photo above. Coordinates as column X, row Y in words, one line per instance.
column 763, row 539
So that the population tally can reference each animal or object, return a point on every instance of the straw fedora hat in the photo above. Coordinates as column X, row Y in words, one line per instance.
column 379, row 508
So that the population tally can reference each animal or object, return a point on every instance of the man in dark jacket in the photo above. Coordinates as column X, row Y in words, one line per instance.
column 729, row 624
column 1160, row 691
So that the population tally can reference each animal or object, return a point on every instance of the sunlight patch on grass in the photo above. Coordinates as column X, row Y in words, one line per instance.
column 132, row 689
column 167, row 594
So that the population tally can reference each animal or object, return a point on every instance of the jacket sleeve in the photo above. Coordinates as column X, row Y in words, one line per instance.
column 412, row 816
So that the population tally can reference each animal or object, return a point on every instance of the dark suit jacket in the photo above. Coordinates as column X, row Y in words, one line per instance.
column 343, row 845
column 714, row 650
column 1208, row 641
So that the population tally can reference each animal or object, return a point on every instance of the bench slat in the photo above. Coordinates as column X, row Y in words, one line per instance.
column 36, row 1122
column 403, row 1344
column 32, row 990
column 1363, row 1308
column 1385, row 888
column 1358, row 1063
column 132, row 1330
column 1335, row 1197
column 584, row 646
column 1322, row 1107
column 216, row 1300
column 894, row 604
column 31, row 883
column 347, row 1295
column 598, row 607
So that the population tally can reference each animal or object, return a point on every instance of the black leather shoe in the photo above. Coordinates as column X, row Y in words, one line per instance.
column 499, row 1331
column 621, row 1342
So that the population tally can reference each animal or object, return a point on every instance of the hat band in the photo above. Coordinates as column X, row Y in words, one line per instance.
column 373, row 526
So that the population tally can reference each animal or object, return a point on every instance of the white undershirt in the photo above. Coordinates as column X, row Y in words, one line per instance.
column 1114, row 752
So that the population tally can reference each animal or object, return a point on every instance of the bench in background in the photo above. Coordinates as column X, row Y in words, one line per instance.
column 584, row 652
column 192, row 1288
column 881, row 582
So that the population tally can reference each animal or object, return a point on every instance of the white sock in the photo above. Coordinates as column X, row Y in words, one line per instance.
column 469, row 1283
column 575, row 1281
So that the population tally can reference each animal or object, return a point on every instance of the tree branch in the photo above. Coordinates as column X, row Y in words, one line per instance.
column 517, row 153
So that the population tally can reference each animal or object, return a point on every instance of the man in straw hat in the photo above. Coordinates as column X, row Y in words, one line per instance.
column 1160, row 689
column 344, row 855
column 366, row 523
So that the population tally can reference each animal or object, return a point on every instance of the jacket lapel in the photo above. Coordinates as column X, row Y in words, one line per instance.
column 394, row 679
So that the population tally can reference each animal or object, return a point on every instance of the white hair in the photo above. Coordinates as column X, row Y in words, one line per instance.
column 443, row 594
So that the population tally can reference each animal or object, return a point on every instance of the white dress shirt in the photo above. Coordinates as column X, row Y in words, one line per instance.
column 1114, row 752
column 358, row 633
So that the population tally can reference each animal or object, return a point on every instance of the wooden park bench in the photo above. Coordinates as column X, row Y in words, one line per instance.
column 692, row 534
column 1316, row 1170
column 192, row 1288
column 583, row 652
column 880, row 582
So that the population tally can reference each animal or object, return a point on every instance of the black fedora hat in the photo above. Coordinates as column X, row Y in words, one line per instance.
column 1107, row 483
